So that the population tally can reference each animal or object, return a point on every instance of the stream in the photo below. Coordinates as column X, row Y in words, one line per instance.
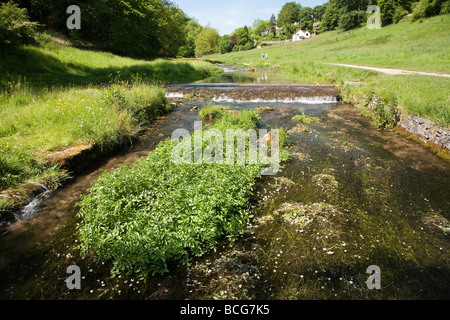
column 351, row 197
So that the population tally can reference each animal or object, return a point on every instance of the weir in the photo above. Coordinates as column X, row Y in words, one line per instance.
column 254, row 92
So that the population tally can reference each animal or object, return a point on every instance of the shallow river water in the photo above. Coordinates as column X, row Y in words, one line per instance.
column 351, row 197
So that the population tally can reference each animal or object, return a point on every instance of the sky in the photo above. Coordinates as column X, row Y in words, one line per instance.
column 227, row 15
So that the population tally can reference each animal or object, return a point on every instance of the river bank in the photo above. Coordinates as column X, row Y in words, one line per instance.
column 315, row 228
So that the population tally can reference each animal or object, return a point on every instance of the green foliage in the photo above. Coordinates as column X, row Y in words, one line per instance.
column 15, row 27
column 306, row 18
column 144, row 216
column 384, row 112
column 242, row 36
column 138, row 28
column 260, row 26
column 272, row 24
column 212, row 113
column 427, row 8
column 225, row 44
column 207, row 42
column 330, row 18
column 352, row 20
column 399, row 14
column 445, row 8
column 387, row 8
column 304, row 119
column 191, row 31
column 34, row 125
column 288, row 15
column 241, row 40
column 319, row 11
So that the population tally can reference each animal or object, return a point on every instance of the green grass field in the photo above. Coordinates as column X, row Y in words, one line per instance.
column 410, row 46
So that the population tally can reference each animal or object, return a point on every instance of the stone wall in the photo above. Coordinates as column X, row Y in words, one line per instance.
column 427, row 131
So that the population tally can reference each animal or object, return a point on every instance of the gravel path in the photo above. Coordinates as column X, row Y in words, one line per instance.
column 393, row 71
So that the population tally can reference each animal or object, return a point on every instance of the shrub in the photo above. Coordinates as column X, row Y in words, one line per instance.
column 144, row 216
column 351, row 20
column 384, row 111
column 15, row 27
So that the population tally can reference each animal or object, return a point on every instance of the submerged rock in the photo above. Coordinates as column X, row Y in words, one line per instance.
column 301, row 215
column 231, row 276
column 299, row 129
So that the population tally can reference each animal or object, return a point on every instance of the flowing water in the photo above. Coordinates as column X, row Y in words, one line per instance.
column 351, row 197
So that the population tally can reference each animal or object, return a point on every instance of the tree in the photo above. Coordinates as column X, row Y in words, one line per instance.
column 207, row 42
column 241, row 39
column 171, row 30
column 352, row 20
column 330, row 18
column 387, row 9
column 139, row 28
column 191, row 32
column 318, row 12
column 242, row 36
column 225, row 44
column 289, row 14
column 305, row 18
column 273, row 24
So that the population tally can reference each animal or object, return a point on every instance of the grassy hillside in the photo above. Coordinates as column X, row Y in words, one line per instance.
column 411, row 46
column 54, row 62
column 54, row 96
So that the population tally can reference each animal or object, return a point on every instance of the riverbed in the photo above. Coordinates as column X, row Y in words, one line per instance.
column 351, row 197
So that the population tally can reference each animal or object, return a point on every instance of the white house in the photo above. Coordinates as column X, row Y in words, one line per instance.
column 301, row 35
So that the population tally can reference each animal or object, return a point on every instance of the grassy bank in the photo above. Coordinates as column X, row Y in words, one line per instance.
column 54, row 96
column 410, row 46
column 55, row 63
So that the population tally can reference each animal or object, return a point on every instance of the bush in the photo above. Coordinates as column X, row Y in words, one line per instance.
column 445, row 8
column 352, row 20
column 399, row 14
column 143, row 217
column 428, row 8
column 15, row 27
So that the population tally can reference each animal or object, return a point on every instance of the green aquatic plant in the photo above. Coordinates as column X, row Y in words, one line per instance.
column 144, row 216
column 304, row 119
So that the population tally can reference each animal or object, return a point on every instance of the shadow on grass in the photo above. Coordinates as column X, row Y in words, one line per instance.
column 40, row 70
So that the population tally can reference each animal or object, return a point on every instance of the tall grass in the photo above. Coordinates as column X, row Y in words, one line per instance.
column 34, row 125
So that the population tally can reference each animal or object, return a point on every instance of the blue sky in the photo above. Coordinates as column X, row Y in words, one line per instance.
column 227, row 15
